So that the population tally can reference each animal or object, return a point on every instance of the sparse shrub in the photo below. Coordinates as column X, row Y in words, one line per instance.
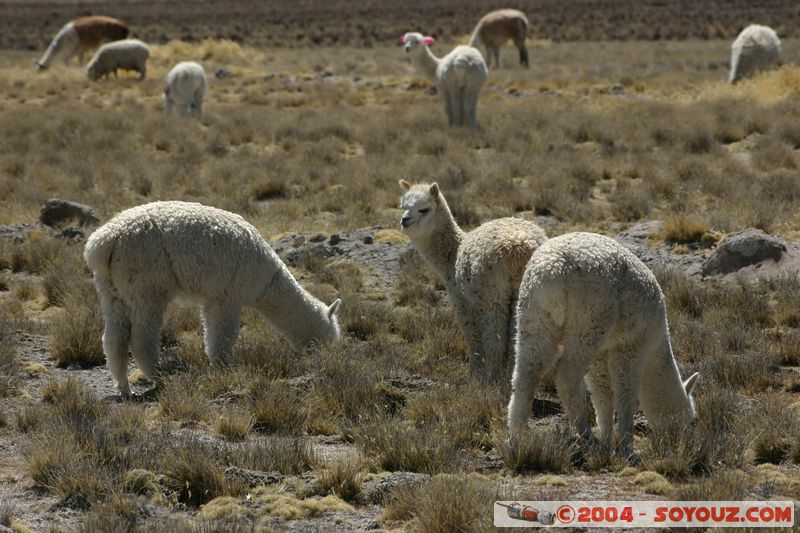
column 725, row 485
column 233, row 424
column 275, row 407
column 287, row 455
column 546, row 449
column 342, row 479
column 192, row 471
column 469, row 505
column 400, row 446
column 684, row 229
column 76, row 334
column 181, row 400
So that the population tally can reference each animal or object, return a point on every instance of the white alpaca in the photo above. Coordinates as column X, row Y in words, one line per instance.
column 149, row 255
column 587, row 294
column 459, row 76
column 184, row 89
column 481, row 269
column 756, row 48
column 128, row 54
column 497, row 27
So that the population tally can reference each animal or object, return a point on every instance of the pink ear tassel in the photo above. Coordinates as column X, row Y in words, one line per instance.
column 402, row 38
column 428, row 40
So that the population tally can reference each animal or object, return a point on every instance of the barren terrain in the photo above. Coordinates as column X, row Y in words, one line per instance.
column 306, row 138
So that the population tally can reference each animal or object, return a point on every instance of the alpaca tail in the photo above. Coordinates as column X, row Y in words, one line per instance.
column 99, row 250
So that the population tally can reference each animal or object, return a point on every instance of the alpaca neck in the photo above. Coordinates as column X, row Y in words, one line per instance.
column 662, row 394
column 440, row 249
column 426, row 62
column 291, row 310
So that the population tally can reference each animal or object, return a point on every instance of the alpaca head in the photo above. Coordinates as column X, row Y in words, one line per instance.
column 415, row 41
column 326, row 333
column 422, row 204
column 331, row 333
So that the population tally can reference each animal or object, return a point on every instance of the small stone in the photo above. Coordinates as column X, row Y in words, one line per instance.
column 299, row 241
column 319, row 237
column 368, row 239
column 335, row 239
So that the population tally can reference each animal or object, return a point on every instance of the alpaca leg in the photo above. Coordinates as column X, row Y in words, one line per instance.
column 470, row 328
column 569, row 384
column 581, row 348
column 167, row 103
column 494, row 333
column 625, row 376
column 523, row 54
column 470, row 106
column 536, row 352
column 146, row 321
column 198, row 102
column 220, row 329
column 116, row 337
column 599, row 386
column 454, row 98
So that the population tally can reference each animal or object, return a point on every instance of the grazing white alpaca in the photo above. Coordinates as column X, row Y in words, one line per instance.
column 481, row 269
column 149, row 255
column 587, row 294
column 497, row 27
column 459, row 76
column 184, row 89
column 756, row 48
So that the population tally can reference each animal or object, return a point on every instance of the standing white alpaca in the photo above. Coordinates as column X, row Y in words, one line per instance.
column 184, row 89
column 481, row 269
column 587, row 294
column 756, row 48
column 497, row 27
column 459, row 76
column 149, row 255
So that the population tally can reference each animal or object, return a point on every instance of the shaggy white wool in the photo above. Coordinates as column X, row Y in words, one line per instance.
column 481, row 269
column 757, row 48
column 459, row 76
column 184, row 89
column 149, row 255
column 594, row 299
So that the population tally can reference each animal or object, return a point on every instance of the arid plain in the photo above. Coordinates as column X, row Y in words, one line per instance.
column 307, row 139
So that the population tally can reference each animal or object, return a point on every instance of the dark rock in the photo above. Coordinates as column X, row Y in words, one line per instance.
column 222, row 74
column 76, row 502
column 319, row 237
column 253, row 478
column 384, row 485
column 55, row 211
column 368, row 239
column 335, row 239
column 742, row 249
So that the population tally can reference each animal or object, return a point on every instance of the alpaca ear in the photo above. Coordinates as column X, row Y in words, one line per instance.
column 404, row 184
column 428, row 40
column 690, row 383
column 434, row 190
column 402, row 38
column 334, row 308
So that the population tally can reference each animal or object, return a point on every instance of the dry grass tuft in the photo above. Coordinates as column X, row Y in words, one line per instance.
column 343, row 479
column 193, row 473
column 551, row 449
